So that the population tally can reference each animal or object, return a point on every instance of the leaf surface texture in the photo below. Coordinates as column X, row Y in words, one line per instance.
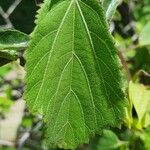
column 73, row 75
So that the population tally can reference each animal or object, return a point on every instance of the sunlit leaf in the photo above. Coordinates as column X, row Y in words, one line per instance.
column 140, row 97
column 5, row 104
column 144, row 38
column 7, row 57
column 146, row 138
column 146, row 120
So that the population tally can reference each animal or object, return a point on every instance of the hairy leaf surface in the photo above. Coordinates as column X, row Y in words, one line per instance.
column 73, row 75
column 140, row 97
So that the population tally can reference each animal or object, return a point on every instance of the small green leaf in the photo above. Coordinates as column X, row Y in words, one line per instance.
column 110, row 7
column 146, row 120
column 73, row 72
column 13, row 39
column 144, row 38
column 7, row 57
column 5, row 104
column 140, row 97
column 110, row 141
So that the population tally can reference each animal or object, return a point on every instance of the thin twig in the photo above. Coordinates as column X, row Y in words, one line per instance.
column 6, row 17
column 7, row 14
column 13, row 7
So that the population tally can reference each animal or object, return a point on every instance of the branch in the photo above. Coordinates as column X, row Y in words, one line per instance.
column 13, row 7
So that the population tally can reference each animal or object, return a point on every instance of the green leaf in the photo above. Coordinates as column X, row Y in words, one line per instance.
column 73, row 72
column 141, row 61
column 7, row 57
column 144, row 37
column 110, row 7
column 129, row 118
column 140, row 97
column 13, row 39
column 146, row 138
column 10, row 41
column 5, row 104
column 146, row 120
column 4, row 70
column 110, row 141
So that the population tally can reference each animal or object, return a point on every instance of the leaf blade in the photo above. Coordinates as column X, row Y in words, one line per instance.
column 70, row 72
column 110, row 7
column 7, row 57
column 144, row 39
column 13, row 39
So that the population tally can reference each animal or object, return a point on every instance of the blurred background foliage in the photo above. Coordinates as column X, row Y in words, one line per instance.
column 130, row 27
column 23, row 16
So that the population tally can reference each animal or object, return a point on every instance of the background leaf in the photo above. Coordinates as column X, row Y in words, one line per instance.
column 146, row 138
column 7, row 57
column 140, row 97
column 13, row 39
column 110, row 141
column 110, row 7
column 144, row 38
